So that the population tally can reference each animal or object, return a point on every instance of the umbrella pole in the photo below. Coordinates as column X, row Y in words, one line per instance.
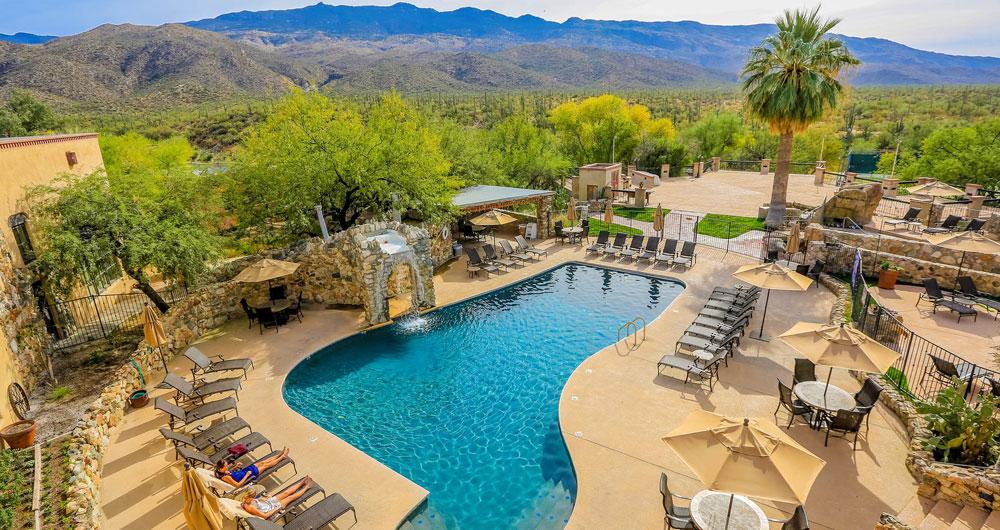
column 760, row 335
column 827, row 387
column 959, row 275
column 729, row 511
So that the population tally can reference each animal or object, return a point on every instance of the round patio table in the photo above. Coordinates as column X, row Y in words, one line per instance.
column 709, row 511
column 573, row 232
column 276, row 305
column 818, row 396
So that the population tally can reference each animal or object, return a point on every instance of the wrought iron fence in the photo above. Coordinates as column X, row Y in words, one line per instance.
column 116, row 317
column 892, row 207
column 915, row 372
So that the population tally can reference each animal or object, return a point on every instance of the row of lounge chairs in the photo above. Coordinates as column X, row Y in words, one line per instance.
column 230, row 437
column 492, row 261
column 645, row 248
column 713, row 335
column 962, row 302
column 949, row 224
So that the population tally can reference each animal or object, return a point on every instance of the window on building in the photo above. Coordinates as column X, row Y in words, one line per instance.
column 19, row 226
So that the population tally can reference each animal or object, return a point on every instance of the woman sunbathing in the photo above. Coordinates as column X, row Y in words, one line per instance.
column 236, row 475
column 264, row 506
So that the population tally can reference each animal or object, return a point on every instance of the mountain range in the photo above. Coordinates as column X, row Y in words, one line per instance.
column 416, row 50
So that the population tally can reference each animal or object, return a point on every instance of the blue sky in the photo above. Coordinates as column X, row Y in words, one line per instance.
column 950, row 26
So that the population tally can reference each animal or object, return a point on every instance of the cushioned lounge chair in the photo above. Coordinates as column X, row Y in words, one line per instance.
column 633, row 249
column 250, row 441
column 195, row 458
column 602, row 241
column 669, row 252
column 615, row 246
column 206, row 438
column 203, row 365
column 649, row 252
column 686, row 256
column 189, row 392
column 316, row 516
column 187, row 417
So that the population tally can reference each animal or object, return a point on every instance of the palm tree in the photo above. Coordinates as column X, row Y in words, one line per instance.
column 790, row 80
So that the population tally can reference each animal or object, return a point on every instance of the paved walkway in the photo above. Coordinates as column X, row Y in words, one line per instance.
column 733, row 192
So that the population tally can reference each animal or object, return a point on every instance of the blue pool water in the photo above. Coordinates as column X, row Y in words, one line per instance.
column 464, row 400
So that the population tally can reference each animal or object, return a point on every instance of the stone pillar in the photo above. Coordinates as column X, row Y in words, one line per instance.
column 631, row 169
column 543, row 211
column 696, row 169
column 975, row 206
column 665, row 171
column 765, row 166
column 716, row 163
column 849, row 177
column 972, row 189
column 937, row 210
column 925, row 209
column 923, row 180
column 820, row 175
column 889, row 187
column 640, row 197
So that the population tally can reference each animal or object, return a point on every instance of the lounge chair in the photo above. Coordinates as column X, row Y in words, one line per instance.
column 615, row 246
column 529, row 248
column 714, row 317
column 974, row 225
column 195, row 458
column 934, row 294
column 968, row 288
column 602, row 241
column 686, row 256
column 477, row 264
column 843, row 423
column 633, row 249
column 649, row 253
column 492, row 257
column 950, row 223
column 668, row 253
column 713, row 344
column 944, row 371
column 909, row 217
column 738, row 290
column 203, row 365
column 706, row 328
column 732, row 306
column 805, row 370
column 511, row 253
column 693, row 370
column 250, row 441
column 206, row 438
column 794, row 406
column 740, row 298
column 187, row 417
column 726, row 312
column 188, row 392
column 674, row 516
column 316, row 516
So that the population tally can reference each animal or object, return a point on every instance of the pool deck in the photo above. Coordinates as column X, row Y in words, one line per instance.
column 613, row 427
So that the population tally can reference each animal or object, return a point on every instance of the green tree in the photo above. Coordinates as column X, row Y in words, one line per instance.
column 472, row 161
column 152, row 214
column 790, row 81
column 312, row 152
column 605, row 128
column 528, row 155
column 716, row 134
column 22, row 114
column 960, row 154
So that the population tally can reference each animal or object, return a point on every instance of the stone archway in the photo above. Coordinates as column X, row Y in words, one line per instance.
column 381, row 248
column 380, row 293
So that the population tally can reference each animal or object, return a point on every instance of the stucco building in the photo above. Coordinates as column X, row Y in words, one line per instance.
column 596, row 181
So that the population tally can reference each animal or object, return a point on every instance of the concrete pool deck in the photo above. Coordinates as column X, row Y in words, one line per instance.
column 621, row 411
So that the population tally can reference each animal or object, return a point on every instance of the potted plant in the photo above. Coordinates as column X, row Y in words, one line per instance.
column 19, row 435
column 138, row 399
column 887, row 275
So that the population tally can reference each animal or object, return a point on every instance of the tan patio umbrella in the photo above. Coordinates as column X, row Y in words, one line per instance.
column 936, row 189
column 839, row 346
column 658, row 219
column 793, row 240
column 609, row 214
column 152, row 329
column 965, row 242
column 201, row 508
column 492, row 218
column 748, row 456
column 771, row 276
column 266, row 270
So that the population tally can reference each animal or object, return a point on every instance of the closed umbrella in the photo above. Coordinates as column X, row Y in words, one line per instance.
column 935, row 189
column 152, row 329
column 965, row 242
column 609, row 214
column 771, row 276
column 839, row 346
column 493, row 218
column 793, row 240
column 747, row 456
column 658, row 219
column 201, row 508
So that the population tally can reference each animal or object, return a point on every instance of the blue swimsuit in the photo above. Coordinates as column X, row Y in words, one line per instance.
column 240, row 473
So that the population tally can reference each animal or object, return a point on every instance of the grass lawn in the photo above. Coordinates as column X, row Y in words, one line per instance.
column 596, row 225
column 727, row 226
column 639, row 214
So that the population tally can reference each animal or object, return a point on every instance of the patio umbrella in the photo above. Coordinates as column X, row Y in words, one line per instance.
column 152, row 329
column 936, row 189
column 658, row 219
column 965, row 242
column 793, row 240
column 839, row 346
column 266, row 270
column 492, row 218
column 747, row 456
column 609, row 214
column 201, row 508
column 571, row 213
column 771, row 276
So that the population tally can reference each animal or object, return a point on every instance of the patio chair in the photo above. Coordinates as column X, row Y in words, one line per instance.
column 529, row 248
column 267, row 318
column 585, row 235
column 511, row 253
column 994, row 386
column 633, row 249
column 797, row 521
column 867, row 397
column 975, row 225
column 188, row 392
column 602, row 241
column 649, row 252
column 559, row 232
column 203, row 365
column 250, row 441
column 251, row 314
column 196, row 458
column 674, row 516
column 909, row 217
column 477, row 264
column 794, row 406
column 669, row 252
column 934, row 294
column 318, row 515
column 615, row 246
column 686, row 256
column 968, row 288
column 844, row 423
column 469, row 233
column 944, row 371
column 950, row 223
column 805, row 370
column 492, row 257
column 693, row 370
column 219, row 407
column 295, row 309
column 814, row 272
column 210, row 437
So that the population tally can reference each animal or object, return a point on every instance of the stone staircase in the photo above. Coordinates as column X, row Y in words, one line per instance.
column 922, row 513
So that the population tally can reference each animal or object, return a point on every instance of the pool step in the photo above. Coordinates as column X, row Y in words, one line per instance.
column 551, row 510
column 427, row 519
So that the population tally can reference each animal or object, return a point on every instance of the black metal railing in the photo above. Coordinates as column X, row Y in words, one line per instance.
column 892, row 207
column 802, row 168
column 116, row 317
column 740, row 165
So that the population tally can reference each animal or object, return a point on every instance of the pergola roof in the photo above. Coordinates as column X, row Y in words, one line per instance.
column 485, row 197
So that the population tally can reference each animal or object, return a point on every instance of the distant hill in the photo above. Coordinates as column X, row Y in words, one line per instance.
column 722, row 48
column 26, row 38
column 127, row 64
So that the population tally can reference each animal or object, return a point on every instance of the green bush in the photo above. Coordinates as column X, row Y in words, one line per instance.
column 60, row 392
column 962, row 433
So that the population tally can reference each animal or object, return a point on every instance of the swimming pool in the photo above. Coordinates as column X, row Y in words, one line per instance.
column 464, row 400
